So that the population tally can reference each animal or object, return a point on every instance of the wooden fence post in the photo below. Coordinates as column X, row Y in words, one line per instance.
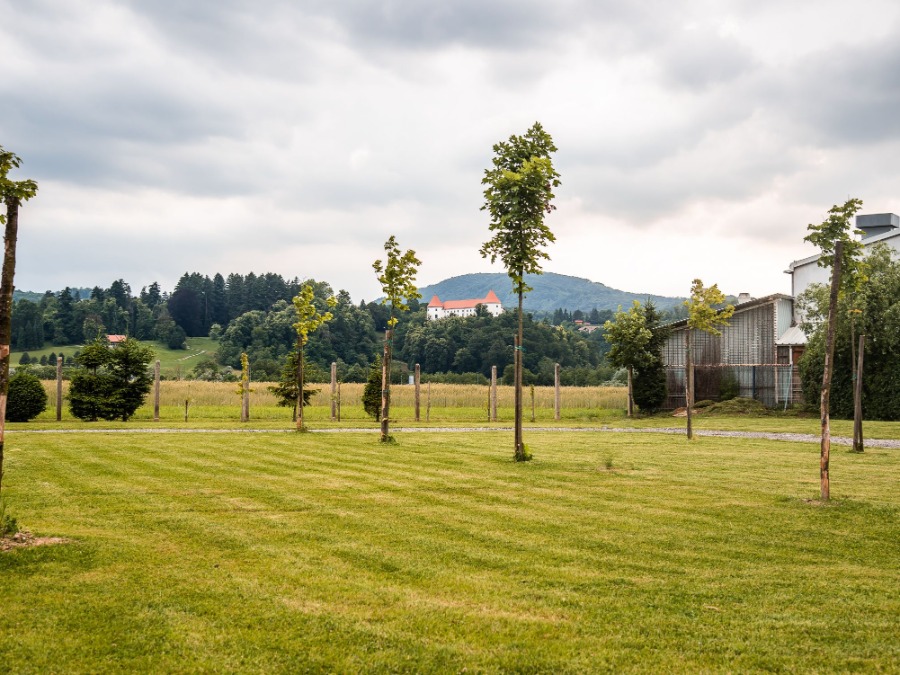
column 417, row 380
column 333, row 391
column 556, row 385
column 857, row 399
column 493, row 393
column 59, row 366
column 156, row 392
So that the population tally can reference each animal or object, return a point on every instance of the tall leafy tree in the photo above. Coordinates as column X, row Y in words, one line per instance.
column 841, row 253
column 309, row 319
column 12, row 194
column 518, row 195
column 629, row 337
column 397, row 276
column 705, row 313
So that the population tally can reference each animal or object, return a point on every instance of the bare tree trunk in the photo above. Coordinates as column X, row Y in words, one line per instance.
column 857, row 399
column 386, row 386
column 59, row 396
column 333, row 391
column 417, row 379
column 825, row 454
column 493, row 393
column 556, row 401
column 156, row 392
column 299, row 384
column 520, row 454
column 6, row 294
column 688, row 381
column 428, row 404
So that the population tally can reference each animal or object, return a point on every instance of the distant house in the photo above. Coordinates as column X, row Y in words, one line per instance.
column 116, row 339
column 438, row 309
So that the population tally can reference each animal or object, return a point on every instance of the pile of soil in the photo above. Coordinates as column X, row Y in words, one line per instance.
column 25, row 539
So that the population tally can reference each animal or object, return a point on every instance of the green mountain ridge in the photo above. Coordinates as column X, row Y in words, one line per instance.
column 551, row 291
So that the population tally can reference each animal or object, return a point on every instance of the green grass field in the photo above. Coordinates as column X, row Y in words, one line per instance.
column 173, row 362
column 331, row 552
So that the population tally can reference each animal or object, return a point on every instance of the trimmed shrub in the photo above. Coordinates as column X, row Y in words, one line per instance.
column 27, row 398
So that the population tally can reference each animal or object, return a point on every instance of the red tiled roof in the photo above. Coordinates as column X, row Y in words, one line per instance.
column 490, row 298
column 114, row 339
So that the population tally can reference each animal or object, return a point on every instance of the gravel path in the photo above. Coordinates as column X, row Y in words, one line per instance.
column 772, row 436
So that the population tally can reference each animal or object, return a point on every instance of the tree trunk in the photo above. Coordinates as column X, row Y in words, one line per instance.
column 6, row 294
column 386, row 386
column 857, row 399
column 688, row 381
column 299, row 384
column 825, row 454
column 520, row 454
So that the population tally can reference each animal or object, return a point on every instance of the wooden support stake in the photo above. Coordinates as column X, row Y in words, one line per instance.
column 857, row 399
column 156, row 392
column 417, row 380
column 557, row 400
column 59, row 396
column 493, row 393
column 333, row 391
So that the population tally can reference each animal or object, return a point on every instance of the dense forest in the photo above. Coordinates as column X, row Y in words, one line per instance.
column 253, row 314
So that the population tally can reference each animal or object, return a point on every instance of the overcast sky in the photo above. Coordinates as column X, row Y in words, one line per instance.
column 696, row 138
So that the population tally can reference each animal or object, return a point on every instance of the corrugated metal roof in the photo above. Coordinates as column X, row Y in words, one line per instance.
column 792, row 336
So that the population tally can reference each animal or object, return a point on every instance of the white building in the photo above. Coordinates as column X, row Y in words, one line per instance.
column 876, row 228
column 438, row 309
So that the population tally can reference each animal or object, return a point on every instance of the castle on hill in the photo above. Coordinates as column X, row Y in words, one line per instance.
column 438, row 309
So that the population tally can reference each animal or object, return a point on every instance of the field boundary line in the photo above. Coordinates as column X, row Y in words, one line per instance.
column 764, row 435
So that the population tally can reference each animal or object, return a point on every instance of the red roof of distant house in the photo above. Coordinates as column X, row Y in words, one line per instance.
column 116, row 339
column 490, row 298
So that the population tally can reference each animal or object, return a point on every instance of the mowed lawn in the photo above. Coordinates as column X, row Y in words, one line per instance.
column 294, row 552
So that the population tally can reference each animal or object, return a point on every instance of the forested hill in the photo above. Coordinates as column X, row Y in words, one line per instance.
column 551, row 291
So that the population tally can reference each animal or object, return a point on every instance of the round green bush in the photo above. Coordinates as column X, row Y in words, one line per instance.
column 27, row 398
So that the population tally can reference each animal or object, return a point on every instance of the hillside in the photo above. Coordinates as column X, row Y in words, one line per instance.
column 551, row 291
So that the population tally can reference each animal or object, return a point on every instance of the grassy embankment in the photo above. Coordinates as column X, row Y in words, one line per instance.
column 173, row 363
column 609, row 552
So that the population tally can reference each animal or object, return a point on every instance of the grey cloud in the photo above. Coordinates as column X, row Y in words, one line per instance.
column 846, row 95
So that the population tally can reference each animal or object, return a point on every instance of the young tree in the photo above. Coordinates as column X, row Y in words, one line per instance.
column 629, row 337
column 309, row 320
column 702, row 315
column 12, row 193
column 371, row 398
column 841, row 253
column 650, row 378
column 287, row 391
column 113, row 382
column 518, row 196
column 397, row 276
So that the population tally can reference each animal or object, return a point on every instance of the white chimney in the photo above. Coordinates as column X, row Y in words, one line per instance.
column 743, row 297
